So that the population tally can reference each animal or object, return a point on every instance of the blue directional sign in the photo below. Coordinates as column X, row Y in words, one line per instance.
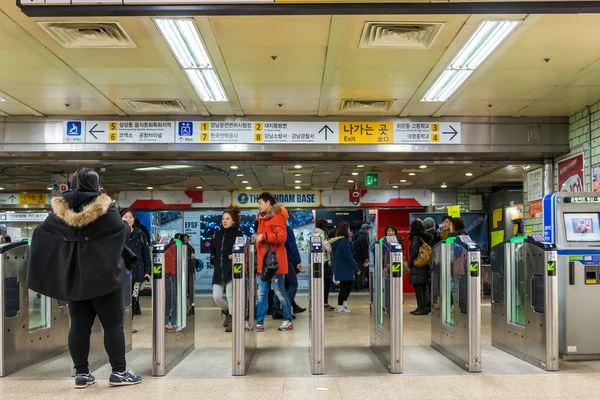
column 185, row 129
column 74, row 128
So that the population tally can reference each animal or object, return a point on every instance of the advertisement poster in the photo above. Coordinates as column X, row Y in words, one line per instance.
column 535, row 185
column 535, row 209
column 570, row 174
column 596, row 179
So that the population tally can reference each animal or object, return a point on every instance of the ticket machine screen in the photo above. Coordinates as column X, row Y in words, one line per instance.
column 582, row 227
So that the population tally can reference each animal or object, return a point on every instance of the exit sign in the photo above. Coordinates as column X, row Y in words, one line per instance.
column 372, row 180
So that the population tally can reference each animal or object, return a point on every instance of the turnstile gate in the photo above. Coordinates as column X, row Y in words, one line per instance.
column 33, row 327
column 173, row 314
column 386, row 304
column 244, row 306
column 456, row 301
column 316, row 310
column 525, row 300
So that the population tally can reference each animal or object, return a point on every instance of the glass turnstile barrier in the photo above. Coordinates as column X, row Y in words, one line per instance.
column 244, row 306
column 456, row 301
column 525, row 300
column 386, row 304
column 173, row 316
column 33, row 327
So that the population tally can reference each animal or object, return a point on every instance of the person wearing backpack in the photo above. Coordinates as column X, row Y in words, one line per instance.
column 419, row 260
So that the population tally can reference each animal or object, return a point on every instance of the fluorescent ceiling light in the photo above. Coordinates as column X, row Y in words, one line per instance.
column 240, row 175
column 297, row 174
column 298, row 166
column 245, row 182
column 49, row 188
column 469, row 174
column 350, row 181
column 248, row 187
column 412, row 174
column 297, row 181
column 147, row 169
column 403, row 180
column 360, row 166
column 355, row 173
column 1, row 188
column 444, row 186
column 423, row 166
column 298, row 187
column 175, row 166
column 198, row 187
column 185, row 43
column 234, row 167
column 395, row 186
column 482, row 43
column 2, row 100
column 150, row 188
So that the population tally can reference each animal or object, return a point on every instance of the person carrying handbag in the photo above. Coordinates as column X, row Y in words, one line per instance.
column 272, row 259
column 419, row 259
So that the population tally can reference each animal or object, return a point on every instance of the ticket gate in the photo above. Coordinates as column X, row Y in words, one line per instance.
column 173, row 315
column 456, row 301
column 98, row 356
column 244, row 306
column 525, row 300
column 316, row 310
column 33, row 327
column 386, row 321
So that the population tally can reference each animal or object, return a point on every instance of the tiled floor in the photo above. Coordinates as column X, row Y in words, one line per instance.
column 281, row 368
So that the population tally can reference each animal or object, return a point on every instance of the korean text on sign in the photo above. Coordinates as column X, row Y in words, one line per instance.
column 366, row 133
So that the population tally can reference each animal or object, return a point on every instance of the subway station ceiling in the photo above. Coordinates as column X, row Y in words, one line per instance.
column 122, row 177
column 296, row 66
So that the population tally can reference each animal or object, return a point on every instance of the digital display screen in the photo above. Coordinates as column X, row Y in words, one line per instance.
column 465, row 238
column 538, row 238
column 315, row 239
column 582, row 227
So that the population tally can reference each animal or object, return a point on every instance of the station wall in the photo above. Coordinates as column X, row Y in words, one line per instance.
column 579, row 131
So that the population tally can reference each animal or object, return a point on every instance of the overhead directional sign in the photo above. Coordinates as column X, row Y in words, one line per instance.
column 264, row 132
column 428, row 132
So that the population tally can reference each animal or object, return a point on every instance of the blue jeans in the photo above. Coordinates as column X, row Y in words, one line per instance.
column 278, row 286
column 291, row 283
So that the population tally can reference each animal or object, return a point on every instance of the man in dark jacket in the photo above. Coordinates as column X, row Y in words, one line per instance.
column 76, row 255
column 360, row 248
column 291, row 280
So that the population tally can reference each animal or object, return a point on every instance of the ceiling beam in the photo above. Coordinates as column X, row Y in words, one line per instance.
column 336, row 33
column 224, row 9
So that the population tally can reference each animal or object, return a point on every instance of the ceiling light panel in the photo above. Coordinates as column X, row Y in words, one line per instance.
column 185, row 43
column 482, row 43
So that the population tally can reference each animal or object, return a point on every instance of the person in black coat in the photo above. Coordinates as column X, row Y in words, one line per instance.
column 76, row 255
column 221, row 250
column 419, row 276
column 138, row 244
column 457, row 227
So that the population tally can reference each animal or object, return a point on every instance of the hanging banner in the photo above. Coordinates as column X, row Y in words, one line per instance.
column 295, row 199
column 535, row 185
column 570, row 174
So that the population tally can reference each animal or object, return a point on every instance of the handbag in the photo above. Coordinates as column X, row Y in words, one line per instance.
column 269, row 265
column 424, row 257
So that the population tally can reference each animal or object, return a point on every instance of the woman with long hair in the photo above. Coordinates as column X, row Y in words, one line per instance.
column 322, row 227
column 345, row 266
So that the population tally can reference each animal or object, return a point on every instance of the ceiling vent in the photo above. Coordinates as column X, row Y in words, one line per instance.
column 376, row 106
column 91, row 34
column 402, row 35
column 156, row 106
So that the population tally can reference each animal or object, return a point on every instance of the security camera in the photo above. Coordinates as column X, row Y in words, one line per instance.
column 355, row 193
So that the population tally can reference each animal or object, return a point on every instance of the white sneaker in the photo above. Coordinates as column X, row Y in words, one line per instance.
column 345, row 310
column 286, row 326
column 339, row 308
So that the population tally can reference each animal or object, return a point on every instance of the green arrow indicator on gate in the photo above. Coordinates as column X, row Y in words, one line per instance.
column 551, row 266
column 396, row 267
column 474, row 266
column 237, row 269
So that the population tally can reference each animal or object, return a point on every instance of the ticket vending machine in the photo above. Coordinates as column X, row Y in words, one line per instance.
column 572, row 221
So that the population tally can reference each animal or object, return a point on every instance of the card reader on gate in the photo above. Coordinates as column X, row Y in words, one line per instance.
column 316, row 251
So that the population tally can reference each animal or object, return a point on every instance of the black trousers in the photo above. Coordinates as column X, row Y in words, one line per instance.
column 345, row 289
column 110, row 311
column 421, row 293
column 326, row 288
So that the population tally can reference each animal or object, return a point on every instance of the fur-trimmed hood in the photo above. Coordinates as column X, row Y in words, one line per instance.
column 89, row 213
column 278, row 208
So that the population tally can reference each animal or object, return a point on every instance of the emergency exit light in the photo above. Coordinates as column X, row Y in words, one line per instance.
column 482, row 43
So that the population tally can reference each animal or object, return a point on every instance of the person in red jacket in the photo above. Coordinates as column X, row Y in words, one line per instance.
column 272, row 234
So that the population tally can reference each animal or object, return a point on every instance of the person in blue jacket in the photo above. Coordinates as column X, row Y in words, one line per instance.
column 344, row 265
column 291, row 280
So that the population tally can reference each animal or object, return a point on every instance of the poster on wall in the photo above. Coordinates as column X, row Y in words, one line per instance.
column 596, row 179
column 570, row 174
column 535, row 209
column 535, row 185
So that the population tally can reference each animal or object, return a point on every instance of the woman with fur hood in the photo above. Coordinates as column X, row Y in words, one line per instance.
column 77, row 254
